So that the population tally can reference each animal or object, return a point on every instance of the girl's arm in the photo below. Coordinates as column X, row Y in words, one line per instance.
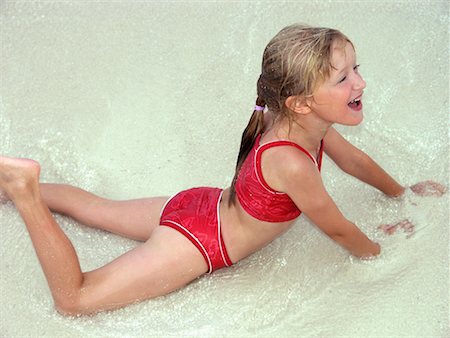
column 355, row 162
column 296, row 175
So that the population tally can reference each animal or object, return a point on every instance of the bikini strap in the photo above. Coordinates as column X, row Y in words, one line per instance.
column 261, row 148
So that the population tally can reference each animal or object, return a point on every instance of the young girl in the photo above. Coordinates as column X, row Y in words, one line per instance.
column 309, row 81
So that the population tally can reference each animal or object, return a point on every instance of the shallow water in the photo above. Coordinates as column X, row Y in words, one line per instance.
column 148, row 98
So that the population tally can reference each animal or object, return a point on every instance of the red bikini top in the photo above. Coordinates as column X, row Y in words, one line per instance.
column 256, row 197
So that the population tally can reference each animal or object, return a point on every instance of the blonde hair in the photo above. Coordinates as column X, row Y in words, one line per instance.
column 295, row 62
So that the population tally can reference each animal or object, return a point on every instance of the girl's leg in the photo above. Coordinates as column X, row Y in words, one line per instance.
column 150, row 270
column 134, row 219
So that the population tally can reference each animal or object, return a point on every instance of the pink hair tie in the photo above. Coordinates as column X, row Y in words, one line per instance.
column 259, row 108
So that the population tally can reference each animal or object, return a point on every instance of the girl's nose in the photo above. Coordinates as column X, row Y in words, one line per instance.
column 359, row 83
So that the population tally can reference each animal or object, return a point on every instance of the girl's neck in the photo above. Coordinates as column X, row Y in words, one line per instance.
column 305, row 132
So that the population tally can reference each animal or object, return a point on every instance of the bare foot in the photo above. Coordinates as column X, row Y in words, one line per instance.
column 17, row 176
column 405, row 225
column 429, row 188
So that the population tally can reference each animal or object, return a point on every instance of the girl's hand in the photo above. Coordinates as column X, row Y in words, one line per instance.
column 429, row 188
column 405, row 225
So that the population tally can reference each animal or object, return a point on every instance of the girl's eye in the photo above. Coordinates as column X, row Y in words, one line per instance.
column 343, row 79
column 355, row 68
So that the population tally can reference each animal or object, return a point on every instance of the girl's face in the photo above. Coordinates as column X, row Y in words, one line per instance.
column 338, row 98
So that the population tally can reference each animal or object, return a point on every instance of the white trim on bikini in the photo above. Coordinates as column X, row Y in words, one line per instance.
column 196, row 240
column 219, row 232
column 312, row 157
column 165, row 204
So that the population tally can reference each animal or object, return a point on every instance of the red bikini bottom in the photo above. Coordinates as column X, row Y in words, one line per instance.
column 195, row 213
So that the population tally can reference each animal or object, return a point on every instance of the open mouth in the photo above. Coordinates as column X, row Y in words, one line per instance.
column 355, row 104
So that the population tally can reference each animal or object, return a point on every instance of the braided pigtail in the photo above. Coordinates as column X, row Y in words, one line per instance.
column 254, row 128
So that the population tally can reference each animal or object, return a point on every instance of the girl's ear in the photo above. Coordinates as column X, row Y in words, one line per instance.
column 298, row 105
